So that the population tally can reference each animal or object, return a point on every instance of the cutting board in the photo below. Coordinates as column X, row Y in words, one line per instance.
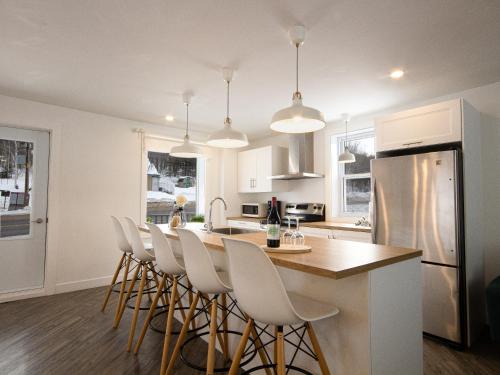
column 288, row 249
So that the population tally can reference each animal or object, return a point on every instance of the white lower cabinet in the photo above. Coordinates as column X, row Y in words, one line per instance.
column 244, row 224
column 337, row 234
column 347, row 235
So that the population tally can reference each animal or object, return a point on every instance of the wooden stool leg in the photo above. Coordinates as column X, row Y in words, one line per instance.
column 179, row 303
column 168, row 326
column 317, row 349
column 260, row 350
column 123, row 286
column 182, row 334
column 151, row 312
column 212, row 337
column 235, row 365
column 113, row 281
column 190, row 295
column 155, row 275
column 219, row 336
column 137, row 307
column 275, row 352
column 129, row 293
column 225, row 326
column 280, row 363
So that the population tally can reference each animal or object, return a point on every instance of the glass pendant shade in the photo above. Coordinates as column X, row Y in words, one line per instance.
column 297, row 118
column 186, row 150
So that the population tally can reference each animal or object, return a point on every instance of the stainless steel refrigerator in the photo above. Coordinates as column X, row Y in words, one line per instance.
column 416, row 203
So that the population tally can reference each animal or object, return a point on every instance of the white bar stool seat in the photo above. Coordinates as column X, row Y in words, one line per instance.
column 145, row 259
column 172, row 266
column 126, row 260
column 261, row 294
column 206, row 279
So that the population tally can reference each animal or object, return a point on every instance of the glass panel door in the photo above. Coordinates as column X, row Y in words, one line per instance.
column 23, row 208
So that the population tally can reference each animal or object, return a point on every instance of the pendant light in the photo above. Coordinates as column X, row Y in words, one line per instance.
column 227, row 137
column 297, row 118
column 186, row 149
column 346, row 156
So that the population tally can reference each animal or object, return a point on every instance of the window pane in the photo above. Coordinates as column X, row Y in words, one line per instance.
column 169, row 177
column 15, row 187
column 364, row 150
column 357, row 194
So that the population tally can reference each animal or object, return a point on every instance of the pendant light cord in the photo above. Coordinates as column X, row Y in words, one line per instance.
column 227, row 100
column 187, row 119
column 297, row 68
column 345, row 142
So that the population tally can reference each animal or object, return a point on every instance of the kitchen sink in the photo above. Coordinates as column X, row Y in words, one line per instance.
column 231, row 231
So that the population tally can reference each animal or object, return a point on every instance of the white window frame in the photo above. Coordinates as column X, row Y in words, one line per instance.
column 342, row 177
column 164, row 145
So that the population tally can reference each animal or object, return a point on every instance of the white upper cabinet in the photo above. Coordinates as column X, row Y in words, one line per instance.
column 257, row 165
column 423, row 126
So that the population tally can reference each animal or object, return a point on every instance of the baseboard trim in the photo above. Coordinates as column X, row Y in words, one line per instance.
column 24, row 294
column 72, row 286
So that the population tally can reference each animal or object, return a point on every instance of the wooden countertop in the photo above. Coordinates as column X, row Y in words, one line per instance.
column 335, row 259
column 318, row 224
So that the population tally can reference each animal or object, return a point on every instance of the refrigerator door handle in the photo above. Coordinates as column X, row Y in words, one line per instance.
column 374, row 212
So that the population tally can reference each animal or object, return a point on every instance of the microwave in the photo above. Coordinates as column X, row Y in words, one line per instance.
column 254, row 209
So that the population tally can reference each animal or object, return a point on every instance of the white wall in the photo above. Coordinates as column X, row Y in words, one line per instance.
column 95, row 172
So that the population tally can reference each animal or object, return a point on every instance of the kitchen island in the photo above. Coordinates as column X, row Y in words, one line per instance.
column 377, row 289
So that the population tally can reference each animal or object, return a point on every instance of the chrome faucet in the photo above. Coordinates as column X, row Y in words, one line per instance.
column 209, row 226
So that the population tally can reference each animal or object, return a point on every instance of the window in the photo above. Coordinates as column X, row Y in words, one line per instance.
column 355, row 178
column 16, row 176
column 169, row 177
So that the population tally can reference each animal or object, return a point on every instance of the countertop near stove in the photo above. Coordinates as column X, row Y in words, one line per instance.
column 317, row 224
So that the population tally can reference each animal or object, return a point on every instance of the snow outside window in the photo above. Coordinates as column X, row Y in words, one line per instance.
column 169, row 177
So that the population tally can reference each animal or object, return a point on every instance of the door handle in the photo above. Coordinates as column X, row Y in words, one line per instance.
column 38, row 221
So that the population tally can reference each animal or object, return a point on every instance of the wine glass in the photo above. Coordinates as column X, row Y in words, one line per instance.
column 287, row 235
column 298, row 238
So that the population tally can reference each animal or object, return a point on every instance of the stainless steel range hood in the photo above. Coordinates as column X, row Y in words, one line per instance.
column 300, row 158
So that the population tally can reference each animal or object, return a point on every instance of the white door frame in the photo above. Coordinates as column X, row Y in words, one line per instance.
column 52, row 245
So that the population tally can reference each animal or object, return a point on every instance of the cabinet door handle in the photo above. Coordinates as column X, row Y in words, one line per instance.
column 413, row 143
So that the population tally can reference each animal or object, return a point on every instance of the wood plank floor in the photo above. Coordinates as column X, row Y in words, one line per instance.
column 67, row 334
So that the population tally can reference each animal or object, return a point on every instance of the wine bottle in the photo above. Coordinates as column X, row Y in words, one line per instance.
column 273, row 225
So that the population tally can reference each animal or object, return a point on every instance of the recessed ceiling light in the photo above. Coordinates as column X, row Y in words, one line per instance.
column 397, row 74
column 169, row 118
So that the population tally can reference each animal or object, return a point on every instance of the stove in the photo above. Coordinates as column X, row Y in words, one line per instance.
column 305, row 212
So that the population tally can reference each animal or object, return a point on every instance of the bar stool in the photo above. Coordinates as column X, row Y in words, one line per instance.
column 125, row 262
column 145, row 259
column 261, row 294
column 204, row 276
column 172, row 267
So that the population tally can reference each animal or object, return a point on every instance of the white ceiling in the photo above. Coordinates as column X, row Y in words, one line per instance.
column 133, row 59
